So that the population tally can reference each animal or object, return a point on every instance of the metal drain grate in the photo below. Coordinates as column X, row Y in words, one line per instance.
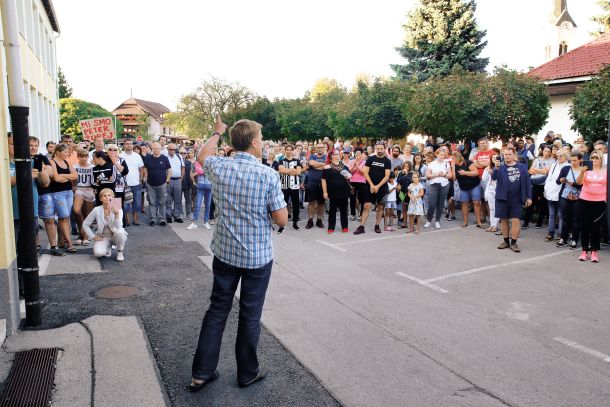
column 31, row 379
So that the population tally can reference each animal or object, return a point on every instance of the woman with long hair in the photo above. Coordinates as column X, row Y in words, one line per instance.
column 538, row 174
column 84, row 195
column 592, row 205
column 438, row 174
column 551, row 193
column 61, row 192
column 204, row 192
column 569, row 204
column 490, row 192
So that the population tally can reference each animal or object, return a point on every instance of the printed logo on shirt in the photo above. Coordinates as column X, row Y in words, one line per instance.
column 513, row 173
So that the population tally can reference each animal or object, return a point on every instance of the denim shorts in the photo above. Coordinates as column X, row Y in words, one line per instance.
column 46, row 206
column 63, row 202
column 390, row 205
column 473, row 194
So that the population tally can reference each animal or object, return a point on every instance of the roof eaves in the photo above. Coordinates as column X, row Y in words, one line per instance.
column 48, row 7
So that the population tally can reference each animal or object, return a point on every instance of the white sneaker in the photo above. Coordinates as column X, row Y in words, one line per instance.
column 437, row 225
column 207, row 226
column 427, row 225
column 191, row 226
column 119, row 256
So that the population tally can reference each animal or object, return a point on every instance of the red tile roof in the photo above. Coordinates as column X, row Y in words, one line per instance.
column 586, row 60
column 156, row 110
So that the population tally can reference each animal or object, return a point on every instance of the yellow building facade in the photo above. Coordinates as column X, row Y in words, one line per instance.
column 38, row 31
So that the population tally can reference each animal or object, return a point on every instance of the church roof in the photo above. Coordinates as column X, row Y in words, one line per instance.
column 565, row 16
column 130, row 106
column 585, row 60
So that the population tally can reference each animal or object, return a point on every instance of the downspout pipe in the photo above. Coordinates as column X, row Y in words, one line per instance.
column 27, row 258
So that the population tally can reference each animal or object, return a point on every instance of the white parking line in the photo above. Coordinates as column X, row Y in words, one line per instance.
column 582, row 348
column 493, row 266
column 423, row 282
column 375, row 239
column 334, row 246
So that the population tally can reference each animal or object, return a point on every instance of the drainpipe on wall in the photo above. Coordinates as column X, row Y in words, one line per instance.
column 27, row 258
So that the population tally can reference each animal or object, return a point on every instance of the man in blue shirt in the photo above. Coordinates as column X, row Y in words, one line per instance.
column 513, row 192
column 248, row 196
column 157, row 174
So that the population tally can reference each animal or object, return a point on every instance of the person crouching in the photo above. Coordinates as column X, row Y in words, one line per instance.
column 109, row 224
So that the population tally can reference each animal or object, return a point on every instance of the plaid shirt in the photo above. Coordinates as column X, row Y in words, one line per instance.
column 245, row 193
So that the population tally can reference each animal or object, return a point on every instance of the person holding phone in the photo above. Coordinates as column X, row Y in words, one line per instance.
column 569, row 204
column 109, row 227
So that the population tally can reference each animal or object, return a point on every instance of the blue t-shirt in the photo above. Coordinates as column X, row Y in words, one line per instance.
column 315, row 176
column 13, row 172
column 514, row 183
column 157, row 169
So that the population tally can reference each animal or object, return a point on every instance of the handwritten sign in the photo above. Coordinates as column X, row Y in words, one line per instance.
column 100, row 127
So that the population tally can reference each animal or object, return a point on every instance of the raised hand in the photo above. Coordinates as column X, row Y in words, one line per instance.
column 219, row 126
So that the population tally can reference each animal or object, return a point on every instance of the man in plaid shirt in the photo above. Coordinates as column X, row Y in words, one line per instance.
column 248, row 196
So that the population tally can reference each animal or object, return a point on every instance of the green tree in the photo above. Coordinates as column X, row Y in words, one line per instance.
column 71, row 111
column 468, row 105
column 441, row 34
column 196, row 111
column 64, row 89
column 299, row 119
column 590, row 109
column 603, row 19
column 262, row 111
column 518, row 104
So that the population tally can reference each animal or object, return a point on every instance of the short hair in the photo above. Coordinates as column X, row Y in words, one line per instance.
column 578, row 155
column 598, row 142
column 49, row 143
column 243, row 132
column 482, row 139
column 65, row 137
column 289, row 146
column 82, row 153
column 101, row 154
column 106, row 190
column 32, row 138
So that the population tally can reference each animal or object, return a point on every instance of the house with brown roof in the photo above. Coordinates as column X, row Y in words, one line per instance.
column 134, row 112
column 564, row 75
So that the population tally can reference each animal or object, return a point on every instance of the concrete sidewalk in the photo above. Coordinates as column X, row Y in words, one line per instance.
column 105, row 361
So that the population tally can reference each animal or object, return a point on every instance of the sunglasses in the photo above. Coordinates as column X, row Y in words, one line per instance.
column 171, row 149
column 594, row 157
column 112, row 149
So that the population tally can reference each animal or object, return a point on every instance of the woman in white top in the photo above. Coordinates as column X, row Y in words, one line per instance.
column 84, row 195
column 551, row 193
column 438, row 174
column 490, row 193
column 109, row 224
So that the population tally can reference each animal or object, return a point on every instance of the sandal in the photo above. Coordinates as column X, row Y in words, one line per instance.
column 78, row 242
column 464, row 225
column 492, row 229
column 85, row 242
column 480, row 226
column 72, row 249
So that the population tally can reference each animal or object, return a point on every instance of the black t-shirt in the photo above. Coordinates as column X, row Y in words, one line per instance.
column 337, row 185
column 61, row 186
column 377, row 166
column 466, row 182
column 157, row 169
column 103, row 176
column 40, row 159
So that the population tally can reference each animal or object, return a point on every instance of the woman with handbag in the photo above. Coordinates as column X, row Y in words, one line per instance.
column 569, row 204
column 551, row 193
column 204, row 192
column 538, row 174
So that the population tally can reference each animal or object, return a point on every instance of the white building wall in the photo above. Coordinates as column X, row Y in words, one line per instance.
column 38, row 54
column 155, row 128
column 559, row 119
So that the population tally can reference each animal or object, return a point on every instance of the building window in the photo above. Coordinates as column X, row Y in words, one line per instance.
column 563, row 48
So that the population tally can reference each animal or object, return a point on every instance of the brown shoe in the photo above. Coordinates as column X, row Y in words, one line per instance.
column 503, row 245
column 515, row 247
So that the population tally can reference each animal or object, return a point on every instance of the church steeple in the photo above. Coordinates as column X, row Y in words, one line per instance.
column 561, row 13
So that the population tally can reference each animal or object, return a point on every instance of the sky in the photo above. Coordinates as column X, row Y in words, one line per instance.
column 160, row 50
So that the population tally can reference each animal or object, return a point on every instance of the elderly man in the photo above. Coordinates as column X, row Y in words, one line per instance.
column 134, row 181
column 98, row 145
column 242, row 248
column 173, row 205
column 157, row 172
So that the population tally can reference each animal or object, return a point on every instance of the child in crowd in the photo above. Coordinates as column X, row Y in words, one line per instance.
column 84, row 196
column 390, row 205
column 416, row 204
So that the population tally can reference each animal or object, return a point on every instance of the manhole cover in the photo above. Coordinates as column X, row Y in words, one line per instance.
column 116, row 292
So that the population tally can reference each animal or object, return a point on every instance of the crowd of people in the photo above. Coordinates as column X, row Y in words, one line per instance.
column 409, row 186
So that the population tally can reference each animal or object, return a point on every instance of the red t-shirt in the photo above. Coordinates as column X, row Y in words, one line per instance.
column 483, row 158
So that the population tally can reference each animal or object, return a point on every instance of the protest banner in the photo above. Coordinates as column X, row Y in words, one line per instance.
column 102, row 126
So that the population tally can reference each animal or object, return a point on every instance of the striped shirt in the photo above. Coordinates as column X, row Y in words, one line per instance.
column 245, row 193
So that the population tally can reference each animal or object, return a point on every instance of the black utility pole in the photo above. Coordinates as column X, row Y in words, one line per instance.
column 27, row 258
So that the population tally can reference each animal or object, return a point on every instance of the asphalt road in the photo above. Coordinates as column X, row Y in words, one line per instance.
column 174, row 290
column 441, row 319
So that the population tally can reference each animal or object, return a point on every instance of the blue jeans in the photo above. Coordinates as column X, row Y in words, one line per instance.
column 204, row 191
column 136, row 205
column 254, row 284
column 554, row 214
column 436, row 200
